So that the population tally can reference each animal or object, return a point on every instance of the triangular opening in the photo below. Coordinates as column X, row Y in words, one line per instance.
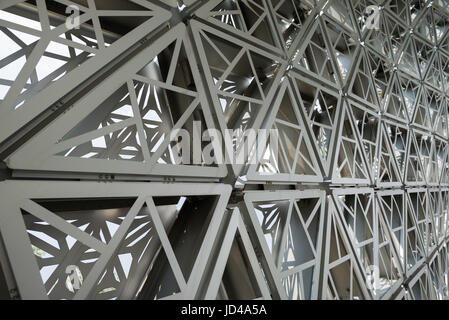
column 344, row 46
column 414, row 165
column 304, row 163
column 128, row 267
column 395, row 105
column 286, row 110
column 337, row 247
column 188, row 229
column 382, row 71
column 367, row 125
column 410, row 93
column 290, row 17
column 362, row 85
column 297, row 249
column 387, row 167
column 223, row 49
column 341, row 13
column 64, row 262
column 298, row 286
column 310, row 210
column 321, row 109
column 272, row 216
column 265, row 69
column 350, row 162
column 424, row 53
column 122, row 144
column 223, row 13
column 161, row 281
column 398, row 138
column 433, row 74
column 316, row 56
column 238, row 281
column 407, row 61
column 345, row 281
column 289, row 138
column 100, row 218
column 392, row 206
column 243, row 79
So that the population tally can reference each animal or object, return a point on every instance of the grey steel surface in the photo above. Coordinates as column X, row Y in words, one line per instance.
column 94, row 206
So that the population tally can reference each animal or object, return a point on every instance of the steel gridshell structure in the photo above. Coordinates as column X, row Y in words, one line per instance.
column 94, row 205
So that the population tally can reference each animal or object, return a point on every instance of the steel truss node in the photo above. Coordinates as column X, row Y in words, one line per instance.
column 353, row 203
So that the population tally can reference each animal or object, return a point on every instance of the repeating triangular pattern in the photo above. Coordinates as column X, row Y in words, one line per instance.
column 225, row 149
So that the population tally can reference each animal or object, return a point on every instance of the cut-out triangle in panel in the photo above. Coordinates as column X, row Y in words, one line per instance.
column 294, row 154
column 245, row 17
column 289, row 232
column 398, row 136
column 298, row 246
column 272, row 217
column 44, row 48
column 290, row 17
column 243, row 67
column 393, row 210
column 397, row 35
column 358, row 216
column 315, row 57
column 382, row 72
column 395, row 104
column 341, row 12
column 427, row 108
column 345, row 46
column 414, row 171
column 128, row 122
column 241, row 80
column 302, row 246
column 389, row 267
column 64, row 261
column 379, row 39
column 186, row 233
column 428, row 155
column 425, row 55
column 433, row 75
column 341, row 266
column 127, row 268
column 387, row 170
column 410, row 92
column 350, row 159
column 367, row 124
column 357, row 211
column 408, row 62
column 442, row 122
column 237, row 273
column 321, row 109
column 362, row 85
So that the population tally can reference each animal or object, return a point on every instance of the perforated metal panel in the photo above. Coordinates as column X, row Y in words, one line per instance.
column 98, row 202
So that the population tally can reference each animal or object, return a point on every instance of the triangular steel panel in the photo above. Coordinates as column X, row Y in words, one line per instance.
column 54, row 57
column 122, row 140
